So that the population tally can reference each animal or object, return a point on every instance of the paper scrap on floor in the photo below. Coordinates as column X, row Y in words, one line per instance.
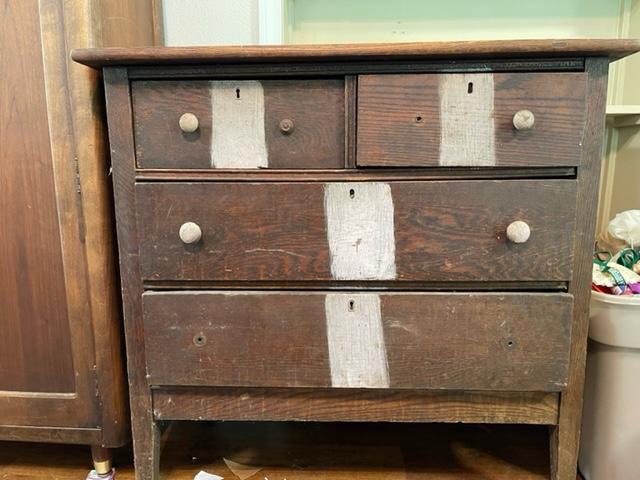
column 202, row 475
column 240, row 470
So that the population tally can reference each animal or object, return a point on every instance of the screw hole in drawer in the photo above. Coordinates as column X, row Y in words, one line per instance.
column 199, row 340
column 352, row 305
column 510, row 344
column 470, row 87
column 419, row 119
column 352, row 193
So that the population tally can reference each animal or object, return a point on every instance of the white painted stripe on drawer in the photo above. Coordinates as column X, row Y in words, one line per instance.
column 360, row 231
column 237, row 125
column 467, row 127
column 357, row 353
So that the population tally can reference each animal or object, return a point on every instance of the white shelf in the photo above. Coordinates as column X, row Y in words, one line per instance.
column 623, row 115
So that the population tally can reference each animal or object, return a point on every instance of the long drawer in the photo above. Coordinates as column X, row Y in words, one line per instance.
column 396, row 231
column 481, row 341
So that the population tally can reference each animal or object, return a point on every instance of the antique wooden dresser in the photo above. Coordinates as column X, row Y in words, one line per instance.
column 357, row 232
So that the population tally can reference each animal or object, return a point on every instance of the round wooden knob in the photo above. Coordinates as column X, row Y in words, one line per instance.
column 188, row 123
column 190, row 233
column 286, row 126
column 524, row 120
column 518, row 232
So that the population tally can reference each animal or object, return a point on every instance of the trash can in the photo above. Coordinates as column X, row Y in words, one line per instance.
column 610, row 444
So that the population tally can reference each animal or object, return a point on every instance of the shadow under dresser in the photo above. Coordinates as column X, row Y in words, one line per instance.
column 357, row 232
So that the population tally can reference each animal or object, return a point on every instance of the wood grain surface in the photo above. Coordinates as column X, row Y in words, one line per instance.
column 483, row 341
column 316, row 109
column 611, row 48
column 565, row 440
column 402, row 120
column 444, row 231
column 35, row 339
column 354, row 405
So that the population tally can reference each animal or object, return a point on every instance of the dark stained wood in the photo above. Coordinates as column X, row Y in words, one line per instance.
column 316, row 108
column 354, row 405
column 54, row 165
column 390, row 134
column 363, row 174
column 483, row 341
column 35, row 339
column 444, row 231
column 317, row 69
column 350, row 119
column 612, row 48
column 87, row 436
column 360, row 285
column 145, row 438
column 266, row 230
column 565, row 439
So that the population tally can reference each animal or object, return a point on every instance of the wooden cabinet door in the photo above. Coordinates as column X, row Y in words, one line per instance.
column 61, row 375
column 44, row 359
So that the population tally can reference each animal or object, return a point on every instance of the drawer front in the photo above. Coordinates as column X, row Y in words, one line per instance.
column 478, row 341
column 396, row 231
column 468, row 119
column 239, row 124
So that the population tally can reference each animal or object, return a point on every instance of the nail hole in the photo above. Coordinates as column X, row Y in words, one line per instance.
column 510, row 343
column 470, row 87
column 352, row 193
column 199, row 340
column 351, row 305
column 237, row 93
column 418, row 119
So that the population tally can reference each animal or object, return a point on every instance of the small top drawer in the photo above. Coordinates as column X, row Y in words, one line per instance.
column 238, row 124
column 472, row 120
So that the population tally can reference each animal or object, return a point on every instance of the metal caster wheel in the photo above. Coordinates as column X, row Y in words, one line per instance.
column 93, row 475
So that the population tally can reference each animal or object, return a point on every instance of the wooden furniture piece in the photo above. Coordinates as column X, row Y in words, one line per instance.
column 61, row 362
column 357, row 232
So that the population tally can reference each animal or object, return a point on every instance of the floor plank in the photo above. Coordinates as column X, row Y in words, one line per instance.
column 297, row 451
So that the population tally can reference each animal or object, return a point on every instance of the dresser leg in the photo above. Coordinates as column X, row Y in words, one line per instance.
column 146, row 450
column 563, row 455
column 102, row 464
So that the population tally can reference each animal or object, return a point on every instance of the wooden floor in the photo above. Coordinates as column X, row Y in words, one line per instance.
column 296, row 451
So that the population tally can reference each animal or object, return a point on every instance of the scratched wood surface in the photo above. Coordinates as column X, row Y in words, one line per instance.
column 444, row 231
column 495, row 49
column 316, row 109
column 406, row 120
column 354, row 405
column 482, row 341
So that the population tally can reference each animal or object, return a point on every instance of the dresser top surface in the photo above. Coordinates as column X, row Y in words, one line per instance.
column 478, row 49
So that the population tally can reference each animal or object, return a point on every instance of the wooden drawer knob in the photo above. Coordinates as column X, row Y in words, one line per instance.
column 190, row 233
column 286, row 126
column 524, row 120
column 188, row 123
column 518, row 232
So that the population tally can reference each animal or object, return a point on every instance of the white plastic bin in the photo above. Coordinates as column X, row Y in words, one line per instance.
column 610, row 444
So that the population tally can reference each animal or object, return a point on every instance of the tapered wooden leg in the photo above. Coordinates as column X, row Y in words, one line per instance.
column 102, row 459
column 146, row 450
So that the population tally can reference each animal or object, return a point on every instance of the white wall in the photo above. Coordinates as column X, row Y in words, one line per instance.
column 210, row 22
